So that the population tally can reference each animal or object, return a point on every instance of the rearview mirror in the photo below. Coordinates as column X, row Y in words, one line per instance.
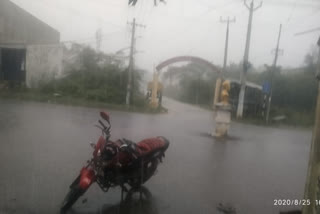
column 92, row 145
column 105, row 116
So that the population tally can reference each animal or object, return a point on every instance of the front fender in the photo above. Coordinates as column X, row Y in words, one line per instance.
column 87, row 177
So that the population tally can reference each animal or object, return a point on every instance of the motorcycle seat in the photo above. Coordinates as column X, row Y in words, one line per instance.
column 150, row 145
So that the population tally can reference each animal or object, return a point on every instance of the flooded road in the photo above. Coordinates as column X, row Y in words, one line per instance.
column 44, row 146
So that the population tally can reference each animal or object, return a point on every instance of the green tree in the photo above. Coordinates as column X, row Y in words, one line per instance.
column 94, row 76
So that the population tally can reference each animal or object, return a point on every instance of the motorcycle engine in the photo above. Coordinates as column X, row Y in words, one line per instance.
column 110, row 150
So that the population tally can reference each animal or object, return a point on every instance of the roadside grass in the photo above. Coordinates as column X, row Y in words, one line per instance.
column 293, row 120
column 34, row 95
column 91, row 79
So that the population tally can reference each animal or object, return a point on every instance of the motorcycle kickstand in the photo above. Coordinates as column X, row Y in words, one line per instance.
column 141, row 181
column 123, row 189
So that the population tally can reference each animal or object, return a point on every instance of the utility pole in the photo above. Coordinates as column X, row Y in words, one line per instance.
column 133, row 72
column 243, row 77
column 228, row 21
column 219, row 79
column 131, row 63
column 274, row 67
column 98, row 39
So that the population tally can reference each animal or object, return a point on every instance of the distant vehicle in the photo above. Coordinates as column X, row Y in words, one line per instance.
column 254, row 101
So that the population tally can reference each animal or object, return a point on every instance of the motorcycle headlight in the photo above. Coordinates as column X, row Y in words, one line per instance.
column 99, row 153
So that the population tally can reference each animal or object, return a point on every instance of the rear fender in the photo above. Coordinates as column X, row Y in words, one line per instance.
column 87, row 177
column 158, row 155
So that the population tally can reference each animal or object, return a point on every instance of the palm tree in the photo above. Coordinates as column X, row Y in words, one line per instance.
column 134, row 2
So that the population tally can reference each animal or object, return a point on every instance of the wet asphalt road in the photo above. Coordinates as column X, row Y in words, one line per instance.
column 43, row 147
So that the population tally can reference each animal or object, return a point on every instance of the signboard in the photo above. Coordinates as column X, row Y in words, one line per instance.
column 266, row 87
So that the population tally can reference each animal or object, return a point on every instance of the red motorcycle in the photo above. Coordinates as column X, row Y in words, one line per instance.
column 118, row 163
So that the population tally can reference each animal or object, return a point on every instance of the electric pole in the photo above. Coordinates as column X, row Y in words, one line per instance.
column 243, row 77
column 131, row 64
column 274, row 67
column 228, row 21
column 219, row 79
column 133, row 72
column 98, row 39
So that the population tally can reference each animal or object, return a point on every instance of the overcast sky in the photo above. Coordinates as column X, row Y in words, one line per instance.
column 185, row 27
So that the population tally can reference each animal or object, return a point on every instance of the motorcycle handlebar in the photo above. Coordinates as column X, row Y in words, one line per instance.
column 102, row 124
column 105, row 129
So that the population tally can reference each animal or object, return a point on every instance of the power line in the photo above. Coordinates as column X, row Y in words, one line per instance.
column 145, row 13
column 218, row 7
column 299, row 4
column 93, row 38
column 302, row 20
column 308, row 31
column 76, row 12
column 293, row 8
column 150, row 10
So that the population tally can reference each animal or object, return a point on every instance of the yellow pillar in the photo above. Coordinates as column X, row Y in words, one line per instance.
column 224, row 97
column 217, row 92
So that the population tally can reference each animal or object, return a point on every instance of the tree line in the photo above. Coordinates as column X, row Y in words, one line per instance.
column 95, row 76
column 294, row 89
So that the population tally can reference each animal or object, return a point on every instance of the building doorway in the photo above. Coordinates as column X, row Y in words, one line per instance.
column 12, row 66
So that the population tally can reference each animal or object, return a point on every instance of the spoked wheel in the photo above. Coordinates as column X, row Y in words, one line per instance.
column 141, row 191
column 74, row 193
column 148, row 170
column 138, row 200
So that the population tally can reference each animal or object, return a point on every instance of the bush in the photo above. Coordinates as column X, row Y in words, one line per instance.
column 95, row 78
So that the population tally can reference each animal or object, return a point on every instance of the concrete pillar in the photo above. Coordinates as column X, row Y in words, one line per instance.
column 223, row 112
column 223, row 120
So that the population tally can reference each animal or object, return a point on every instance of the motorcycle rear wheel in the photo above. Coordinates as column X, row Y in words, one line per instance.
column 149, row 169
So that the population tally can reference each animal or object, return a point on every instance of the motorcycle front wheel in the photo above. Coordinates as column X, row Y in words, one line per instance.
column 72, row 196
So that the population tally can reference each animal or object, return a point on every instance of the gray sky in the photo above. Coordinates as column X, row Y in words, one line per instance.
column 185, row 27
